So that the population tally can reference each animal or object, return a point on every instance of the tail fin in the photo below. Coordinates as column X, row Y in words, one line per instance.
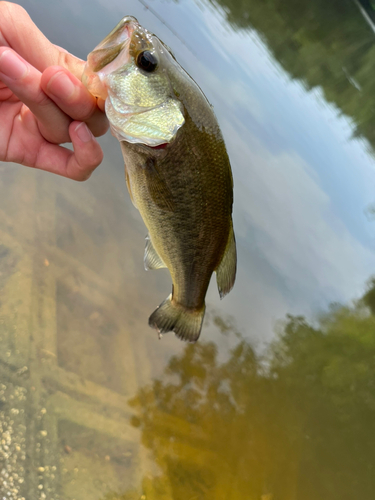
column 186, row 323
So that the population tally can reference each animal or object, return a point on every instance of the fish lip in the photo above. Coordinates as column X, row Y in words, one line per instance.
column 125, row 23
column 112, row 45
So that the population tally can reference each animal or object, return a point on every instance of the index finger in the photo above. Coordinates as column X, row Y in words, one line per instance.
column 18, row 31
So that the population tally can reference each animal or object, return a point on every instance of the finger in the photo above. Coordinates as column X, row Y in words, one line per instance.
column 73, row 98
column 24, row 81
column 77, row 165
column 19, row 32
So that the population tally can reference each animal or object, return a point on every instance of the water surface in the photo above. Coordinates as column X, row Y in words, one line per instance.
column 276, row 401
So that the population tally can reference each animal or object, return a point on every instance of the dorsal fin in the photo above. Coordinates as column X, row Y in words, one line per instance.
column 152, row 259
column 226, row 270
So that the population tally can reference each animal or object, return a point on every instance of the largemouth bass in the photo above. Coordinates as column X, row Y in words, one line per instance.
column 177, row 169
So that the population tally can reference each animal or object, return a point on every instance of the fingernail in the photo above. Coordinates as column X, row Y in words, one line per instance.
column 61, row 86
column 84, row 132
column 12, row 66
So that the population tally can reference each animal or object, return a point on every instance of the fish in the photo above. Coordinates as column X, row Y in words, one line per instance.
column 177, row 169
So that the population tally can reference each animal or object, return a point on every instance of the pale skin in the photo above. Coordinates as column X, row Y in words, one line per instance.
column 43, row 103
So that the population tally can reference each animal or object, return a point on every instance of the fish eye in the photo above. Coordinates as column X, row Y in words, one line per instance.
column 147, row 61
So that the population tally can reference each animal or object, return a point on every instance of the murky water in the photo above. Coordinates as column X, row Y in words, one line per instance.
column 276, row 401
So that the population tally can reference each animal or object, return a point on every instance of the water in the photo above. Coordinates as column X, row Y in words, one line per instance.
column 276, row 401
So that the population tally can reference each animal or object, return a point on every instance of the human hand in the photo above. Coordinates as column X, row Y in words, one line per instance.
column 43, row 102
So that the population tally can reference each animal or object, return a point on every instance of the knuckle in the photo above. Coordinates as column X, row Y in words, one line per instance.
column 71, row 63
column 63, row 59
column 41, row 99
column 80, row 108
column 85, row 109
column 83, row 171
column 85, row 114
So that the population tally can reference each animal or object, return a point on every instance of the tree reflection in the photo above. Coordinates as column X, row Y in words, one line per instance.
column 296, row 423
column 325, row 44
column 130, row 495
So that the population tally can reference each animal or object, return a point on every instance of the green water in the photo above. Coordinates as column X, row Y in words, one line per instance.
column 276, row 400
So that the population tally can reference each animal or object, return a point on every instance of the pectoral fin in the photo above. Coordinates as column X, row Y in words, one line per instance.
column 152, row 259
column 226, row 271
column 129, row 187
column 158, row 189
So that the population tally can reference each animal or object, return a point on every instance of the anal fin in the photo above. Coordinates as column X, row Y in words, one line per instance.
column 226, row 270
column 152, row 259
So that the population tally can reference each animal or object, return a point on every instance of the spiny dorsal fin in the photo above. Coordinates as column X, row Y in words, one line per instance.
column 226, row 271
column 152, row 259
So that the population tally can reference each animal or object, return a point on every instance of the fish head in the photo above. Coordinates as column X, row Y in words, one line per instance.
column 129, row 69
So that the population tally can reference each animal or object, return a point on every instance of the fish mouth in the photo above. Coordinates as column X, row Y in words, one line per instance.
column 113, row 45
column 110, row 55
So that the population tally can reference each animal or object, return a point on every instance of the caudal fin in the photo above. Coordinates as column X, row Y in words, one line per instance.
column 185, row 323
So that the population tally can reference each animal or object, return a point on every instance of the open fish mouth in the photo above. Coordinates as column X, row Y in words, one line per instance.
column 113, row 45
column 111, row 54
